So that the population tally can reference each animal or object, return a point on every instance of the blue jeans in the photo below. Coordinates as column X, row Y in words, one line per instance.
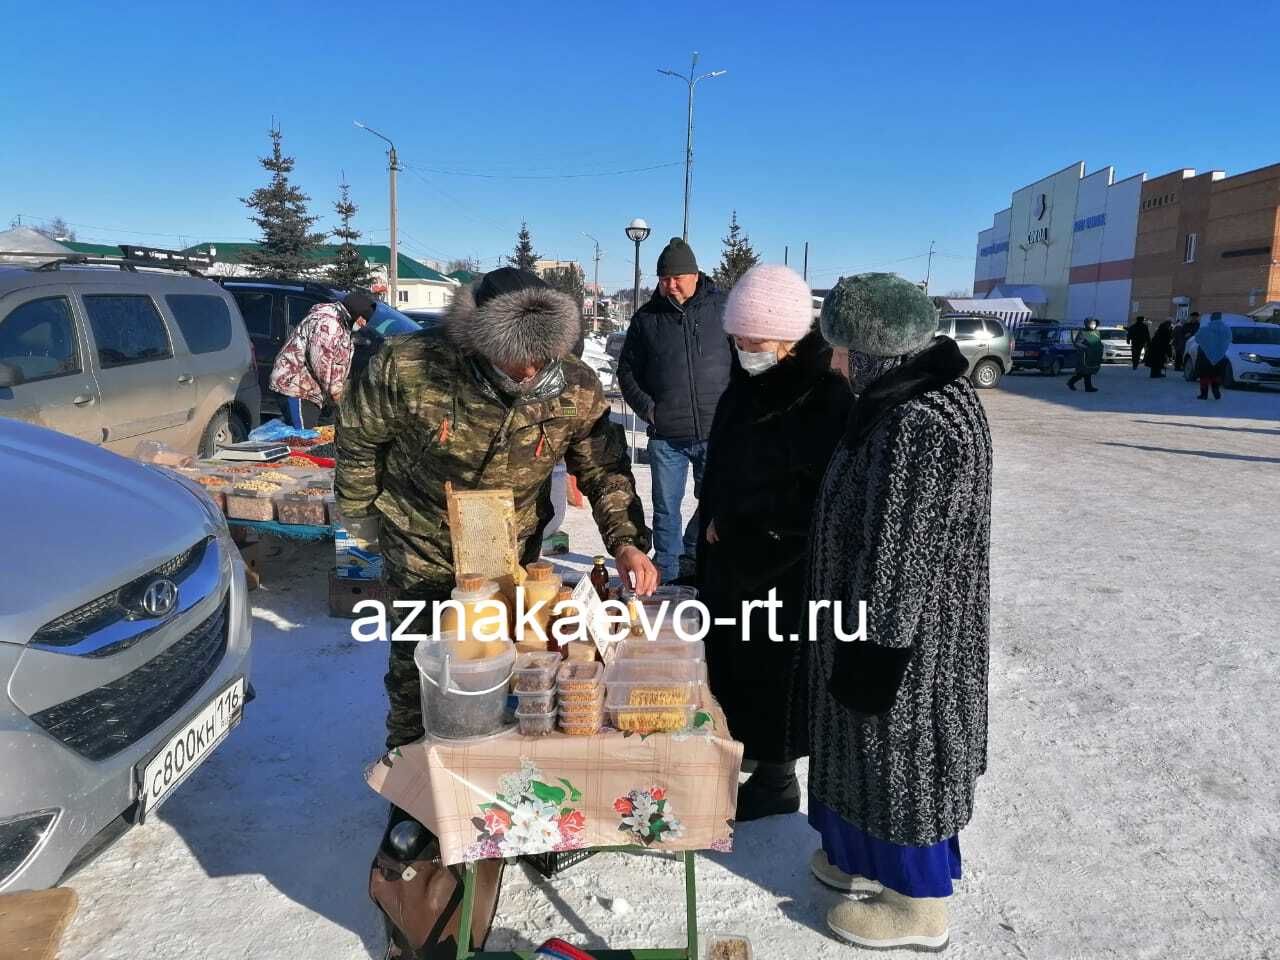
column 669, row 462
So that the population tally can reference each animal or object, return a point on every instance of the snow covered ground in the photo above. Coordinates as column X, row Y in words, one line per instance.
column 1130, row 805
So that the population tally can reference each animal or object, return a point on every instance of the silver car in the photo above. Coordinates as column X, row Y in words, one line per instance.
column 115, row 356
column 985, row 344
column 124, row 647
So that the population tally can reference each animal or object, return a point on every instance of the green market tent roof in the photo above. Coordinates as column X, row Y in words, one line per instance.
column 376, row 253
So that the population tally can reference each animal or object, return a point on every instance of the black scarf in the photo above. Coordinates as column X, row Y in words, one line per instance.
column 930, row 369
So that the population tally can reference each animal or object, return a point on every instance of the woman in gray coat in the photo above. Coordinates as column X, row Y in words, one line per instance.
column 898, row 717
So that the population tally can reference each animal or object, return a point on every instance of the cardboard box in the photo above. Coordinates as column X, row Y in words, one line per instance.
column 354, row 558
column 251, row 554
column 344, row 594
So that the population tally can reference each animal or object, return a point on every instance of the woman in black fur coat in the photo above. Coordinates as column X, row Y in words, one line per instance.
column 774, row 430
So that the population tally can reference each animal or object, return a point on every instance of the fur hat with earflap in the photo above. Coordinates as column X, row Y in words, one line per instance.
column 512, row 317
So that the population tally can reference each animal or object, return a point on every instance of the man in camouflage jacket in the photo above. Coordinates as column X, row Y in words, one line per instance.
column 492, row 400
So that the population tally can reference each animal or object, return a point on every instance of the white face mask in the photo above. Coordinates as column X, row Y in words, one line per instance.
column 755, row 363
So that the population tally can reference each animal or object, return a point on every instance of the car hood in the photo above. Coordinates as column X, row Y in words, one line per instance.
column 79, row 522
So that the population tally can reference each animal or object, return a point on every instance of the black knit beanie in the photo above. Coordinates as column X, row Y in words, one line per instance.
column 506, row 280
column 676, row 259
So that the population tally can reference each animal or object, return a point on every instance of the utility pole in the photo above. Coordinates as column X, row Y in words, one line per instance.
column 806, row 261
column 595, row 292
column 692, row 82
column 786, row 252
column 929, row 269
column 393, row 267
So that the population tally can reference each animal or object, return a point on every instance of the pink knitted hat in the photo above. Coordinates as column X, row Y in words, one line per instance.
column 769, row 302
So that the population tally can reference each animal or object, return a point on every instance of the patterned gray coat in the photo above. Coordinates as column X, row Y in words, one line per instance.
column 899, row 722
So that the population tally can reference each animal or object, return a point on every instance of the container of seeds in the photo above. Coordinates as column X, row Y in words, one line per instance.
column 535, row 724
column 728, row 947
column 536, row 672
column 462, row 699
column 252, row 500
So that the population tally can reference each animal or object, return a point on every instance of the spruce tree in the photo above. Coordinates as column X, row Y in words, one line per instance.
column 280, row 211
column 524, row 258
column 349, row 271
column 570, row 281
column 738, row 256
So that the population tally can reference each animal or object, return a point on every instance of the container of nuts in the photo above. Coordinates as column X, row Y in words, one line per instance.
column 304, row 506
column 252, row 500
column 216, row 486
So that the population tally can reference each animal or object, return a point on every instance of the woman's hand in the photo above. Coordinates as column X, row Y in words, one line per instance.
column 712, row 536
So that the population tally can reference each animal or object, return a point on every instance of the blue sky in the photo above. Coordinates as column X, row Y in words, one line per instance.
column 867, row 130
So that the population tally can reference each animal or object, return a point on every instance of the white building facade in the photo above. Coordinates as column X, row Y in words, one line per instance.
column 1065, row 245
column 1103, row 238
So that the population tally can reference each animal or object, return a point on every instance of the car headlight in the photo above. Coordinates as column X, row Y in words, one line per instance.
column 1250, row 357
column 19, row 838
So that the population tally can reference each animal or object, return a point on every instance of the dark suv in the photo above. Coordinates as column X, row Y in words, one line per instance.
column 273, row 308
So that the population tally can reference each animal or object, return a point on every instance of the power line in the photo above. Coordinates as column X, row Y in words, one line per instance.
column 548, row 176
column 146, row 233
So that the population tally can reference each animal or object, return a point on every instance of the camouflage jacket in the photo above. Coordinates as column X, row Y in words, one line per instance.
column 423, row 414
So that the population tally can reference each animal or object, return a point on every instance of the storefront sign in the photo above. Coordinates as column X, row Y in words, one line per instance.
column 1038, row 235
column 994, row 248
column 1088, row 223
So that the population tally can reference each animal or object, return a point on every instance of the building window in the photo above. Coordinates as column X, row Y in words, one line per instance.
column 1189, row 251
column 402, row 296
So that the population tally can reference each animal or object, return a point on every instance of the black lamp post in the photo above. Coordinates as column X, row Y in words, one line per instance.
column 638, row 232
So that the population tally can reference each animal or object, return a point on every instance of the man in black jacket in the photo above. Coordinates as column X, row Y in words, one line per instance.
column 1139, row 335
column 674, row 366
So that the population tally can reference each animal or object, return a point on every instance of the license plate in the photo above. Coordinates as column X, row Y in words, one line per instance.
column 189, row 747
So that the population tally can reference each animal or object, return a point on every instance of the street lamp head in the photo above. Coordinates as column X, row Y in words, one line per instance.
column 637, row 230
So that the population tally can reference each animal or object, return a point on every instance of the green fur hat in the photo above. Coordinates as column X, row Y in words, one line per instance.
column 878, row 314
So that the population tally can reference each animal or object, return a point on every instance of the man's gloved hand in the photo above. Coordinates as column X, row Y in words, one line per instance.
column 363, row 528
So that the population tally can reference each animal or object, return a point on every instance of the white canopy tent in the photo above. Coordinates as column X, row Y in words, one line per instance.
column 1011, row 311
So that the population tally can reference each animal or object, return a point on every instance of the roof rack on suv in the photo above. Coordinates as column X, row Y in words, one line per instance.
column 134, row 257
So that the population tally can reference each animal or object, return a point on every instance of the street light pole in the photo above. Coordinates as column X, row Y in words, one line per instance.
column 692, row 81
column 638, row 232
column 595, row 294
column 928, row 272
column 393, row 267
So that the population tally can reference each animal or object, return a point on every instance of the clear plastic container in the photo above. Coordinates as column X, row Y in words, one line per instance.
column 640, row 648
column 531, row 703
column 582, row 708
column 296, row 506
column 478, row 618
column 252, row 503
column 578, row 680
column 536, row 672
column 462, row 699
column 654, row 683
column 728, row 946
column 582, row 724
column 650, row 609
column 535, row 724
column 650, row 719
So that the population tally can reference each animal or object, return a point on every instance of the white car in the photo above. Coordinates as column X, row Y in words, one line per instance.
column 1253, row 357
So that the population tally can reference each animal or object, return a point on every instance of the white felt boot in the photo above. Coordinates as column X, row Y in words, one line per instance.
column 890, row 920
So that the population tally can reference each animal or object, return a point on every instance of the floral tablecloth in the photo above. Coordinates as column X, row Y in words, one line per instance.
column 510, row 795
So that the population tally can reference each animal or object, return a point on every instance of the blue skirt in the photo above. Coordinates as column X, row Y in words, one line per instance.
column 910, row 871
